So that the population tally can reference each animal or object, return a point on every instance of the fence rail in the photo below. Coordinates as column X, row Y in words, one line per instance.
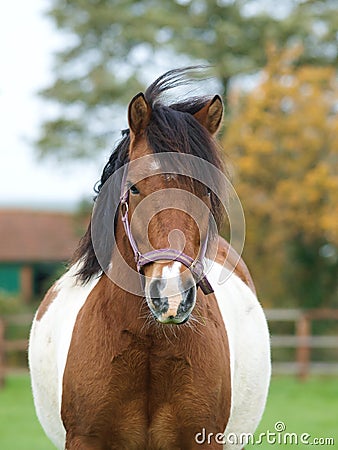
column 11, row 345
column 302, row 341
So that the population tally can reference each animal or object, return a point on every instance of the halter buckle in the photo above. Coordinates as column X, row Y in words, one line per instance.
column 197, row 269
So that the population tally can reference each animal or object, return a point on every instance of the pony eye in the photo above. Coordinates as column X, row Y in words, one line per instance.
column 133, row 189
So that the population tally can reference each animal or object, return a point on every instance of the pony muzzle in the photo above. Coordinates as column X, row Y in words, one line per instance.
column 170, row 298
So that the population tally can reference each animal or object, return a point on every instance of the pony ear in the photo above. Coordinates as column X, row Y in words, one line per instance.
column 210, row 116
column 138, row 114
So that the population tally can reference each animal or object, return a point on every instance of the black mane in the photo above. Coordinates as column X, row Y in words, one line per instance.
column 172, row 127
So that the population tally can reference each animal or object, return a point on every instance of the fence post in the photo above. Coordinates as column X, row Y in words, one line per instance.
column 303, row 349
column 2, row 353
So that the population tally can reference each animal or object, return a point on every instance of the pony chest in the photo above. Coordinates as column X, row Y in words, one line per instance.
column 168, row 391
column 153, row 366
column 143, row 383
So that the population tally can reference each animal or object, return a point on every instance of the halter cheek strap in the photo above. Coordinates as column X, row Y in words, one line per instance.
column 142, row 259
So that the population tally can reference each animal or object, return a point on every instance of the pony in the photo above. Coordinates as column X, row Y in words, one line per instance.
column 138, row 345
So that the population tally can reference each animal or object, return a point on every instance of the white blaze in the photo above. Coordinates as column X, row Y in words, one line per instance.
column 173, row 287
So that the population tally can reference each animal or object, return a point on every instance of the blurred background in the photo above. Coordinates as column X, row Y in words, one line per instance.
column 69, row 69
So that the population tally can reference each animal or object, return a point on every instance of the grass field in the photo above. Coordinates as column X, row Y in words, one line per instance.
column 19, row 427
column 310, row 407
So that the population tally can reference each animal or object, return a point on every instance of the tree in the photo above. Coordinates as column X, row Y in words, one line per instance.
column 283, row 139
column 113, row 45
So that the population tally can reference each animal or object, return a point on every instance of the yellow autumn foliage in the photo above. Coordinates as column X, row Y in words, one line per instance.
column 282, row 137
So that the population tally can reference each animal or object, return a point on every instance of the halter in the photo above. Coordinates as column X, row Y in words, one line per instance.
column 195, row 266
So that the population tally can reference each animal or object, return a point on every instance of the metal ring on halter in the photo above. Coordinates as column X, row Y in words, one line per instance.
column 124, row 213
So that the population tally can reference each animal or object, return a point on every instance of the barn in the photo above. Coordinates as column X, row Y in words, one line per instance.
column 34, row 245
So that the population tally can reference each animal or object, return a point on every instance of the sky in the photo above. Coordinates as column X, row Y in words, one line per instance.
column 27, row 41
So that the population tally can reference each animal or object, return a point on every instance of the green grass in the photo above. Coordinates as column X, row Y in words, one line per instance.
column 19, row 427
column 310, row 407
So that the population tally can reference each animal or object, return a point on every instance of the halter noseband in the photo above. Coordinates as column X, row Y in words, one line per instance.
column 195, row 266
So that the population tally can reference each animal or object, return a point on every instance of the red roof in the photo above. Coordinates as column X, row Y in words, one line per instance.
column 37, row 236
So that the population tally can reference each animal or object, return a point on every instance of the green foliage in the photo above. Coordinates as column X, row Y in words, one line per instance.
column 82, row 216
column 113, row 45
column 11, row 307
column 54, row 273
column 10, row 304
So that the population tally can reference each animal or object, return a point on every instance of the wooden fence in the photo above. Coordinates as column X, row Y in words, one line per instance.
column 12, row 345
column 302, row 340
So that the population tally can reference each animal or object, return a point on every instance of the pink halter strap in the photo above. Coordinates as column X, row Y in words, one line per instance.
column 195, row 266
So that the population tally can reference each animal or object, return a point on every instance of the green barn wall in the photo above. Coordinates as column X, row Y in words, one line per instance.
column 10, row 278
column 42, row 277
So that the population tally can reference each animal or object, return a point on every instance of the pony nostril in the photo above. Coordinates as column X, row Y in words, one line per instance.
column 160, row 302
column 156, row 302
column 190, row 297
column 154, row 293
column 188, row 301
